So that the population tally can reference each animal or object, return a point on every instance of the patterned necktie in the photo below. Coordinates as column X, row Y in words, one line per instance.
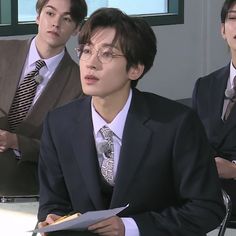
column 24, row 97
column 108, row 160
column 231, row 101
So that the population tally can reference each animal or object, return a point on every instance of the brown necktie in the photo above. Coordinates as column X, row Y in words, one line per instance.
column 24, row 97
column 231, row 101
column 108, row 160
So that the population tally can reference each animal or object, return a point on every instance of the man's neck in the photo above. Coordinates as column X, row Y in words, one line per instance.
column 45, row 51
column 108, row 108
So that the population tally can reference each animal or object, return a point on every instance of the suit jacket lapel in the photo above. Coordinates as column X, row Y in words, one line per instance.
column 217, row 96
column 11, row 74
column 134, row 142
column 85, row 151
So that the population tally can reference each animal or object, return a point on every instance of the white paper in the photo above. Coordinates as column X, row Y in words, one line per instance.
column 82, row 222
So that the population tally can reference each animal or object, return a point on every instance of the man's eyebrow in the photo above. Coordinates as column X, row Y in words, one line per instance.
column 110, row 45
column 103, row 44
column 53, row 8
column 232, row 11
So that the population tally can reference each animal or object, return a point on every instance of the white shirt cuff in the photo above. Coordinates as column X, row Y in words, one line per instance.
column 131, row 228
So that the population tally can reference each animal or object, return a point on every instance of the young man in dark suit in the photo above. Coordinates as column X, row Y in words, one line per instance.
column 121, row 146
column 213, row 100
column 58, row 83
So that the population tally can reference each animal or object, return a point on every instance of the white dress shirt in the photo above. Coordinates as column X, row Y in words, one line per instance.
column 117, row 127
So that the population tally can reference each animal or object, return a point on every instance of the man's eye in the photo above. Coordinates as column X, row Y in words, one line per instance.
column 86, row 51
column 67, row 19
column 49, row 13
column 107, row 54
column 232, row 16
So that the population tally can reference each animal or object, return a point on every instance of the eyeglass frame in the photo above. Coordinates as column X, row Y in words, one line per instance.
column 80, row 52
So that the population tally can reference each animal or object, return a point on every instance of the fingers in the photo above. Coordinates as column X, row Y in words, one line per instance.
column 51, row 218
column 3, row 140
column 41, row 225
column 43, row 234
column 101, row 228
column 2, row 148
column 225, row 168
column 112, row 226
column 8, row 140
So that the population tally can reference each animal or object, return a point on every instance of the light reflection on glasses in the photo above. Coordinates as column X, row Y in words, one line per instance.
column 105, row 54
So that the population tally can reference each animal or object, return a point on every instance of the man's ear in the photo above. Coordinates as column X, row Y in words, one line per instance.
column 135, row 72
column 222, row 30
column 37, row 19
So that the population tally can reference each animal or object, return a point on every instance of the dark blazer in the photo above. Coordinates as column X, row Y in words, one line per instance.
column 164, row 170
column 20, row 177
column 208, row 101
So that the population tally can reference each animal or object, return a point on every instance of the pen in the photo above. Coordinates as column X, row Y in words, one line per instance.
column 69, row 216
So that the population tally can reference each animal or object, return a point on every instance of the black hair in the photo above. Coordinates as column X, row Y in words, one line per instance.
column 134, row 36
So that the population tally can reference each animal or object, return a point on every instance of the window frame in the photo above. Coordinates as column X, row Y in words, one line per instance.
column 28, row 28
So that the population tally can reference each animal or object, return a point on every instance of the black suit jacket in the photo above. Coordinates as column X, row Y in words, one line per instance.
column 19, row 177
column 208, row 101
column 164, row 170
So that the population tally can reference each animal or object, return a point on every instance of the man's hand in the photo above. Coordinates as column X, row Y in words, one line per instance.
column 226, row 169
column 7, row 140
column 110, row 227
column 51, row 218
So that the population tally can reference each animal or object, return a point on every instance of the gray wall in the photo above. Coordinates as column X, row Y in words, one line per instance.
column 185, row 52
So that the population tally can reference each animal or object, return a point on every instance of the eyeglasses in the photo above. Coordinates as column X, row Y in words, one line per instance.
column 105, row 54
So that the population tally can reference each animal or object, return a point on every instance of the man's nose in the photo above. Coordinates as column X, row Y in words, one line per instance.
column 56, row 22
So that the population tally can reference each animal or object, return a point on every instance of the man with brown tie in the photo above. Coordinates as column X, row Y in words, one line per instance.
column 36, row 76
column 213, row 99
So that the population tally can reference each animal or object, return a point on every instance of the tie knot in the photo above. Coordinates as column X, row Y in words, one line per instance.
column 106, row 132
column 40, row 64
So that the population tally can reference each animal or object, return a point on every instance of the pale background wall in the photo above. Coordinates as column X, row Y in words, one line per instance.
column 188, row 51
column 185, row 52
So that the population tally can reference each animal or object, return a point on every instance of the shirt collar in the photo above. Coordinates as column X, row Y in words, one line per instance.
column 231, row 75
column 117, row 125
column 51, row 63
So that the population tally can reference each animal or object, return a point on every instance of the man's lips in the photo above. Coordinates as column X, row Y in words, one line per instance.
column 54, row 33
column 90, row 77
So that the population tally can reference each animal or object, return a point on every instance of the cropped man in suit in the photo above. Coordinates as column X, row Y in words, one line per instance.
column 211, row 97
column 121, row 146
column 58, row 83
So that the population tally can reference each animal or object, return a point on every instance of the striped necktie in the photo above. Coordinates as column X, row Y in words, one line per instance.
column 108, row 160
column 24, row 97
